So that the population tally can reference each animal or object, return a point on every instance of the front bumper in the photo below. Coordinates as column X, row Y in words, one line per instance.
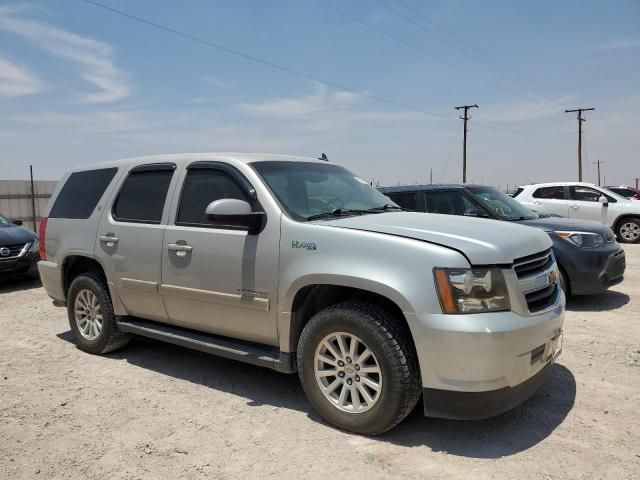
column 479, row 365
column 479, row 405
column 15, row 267
column 592, row 272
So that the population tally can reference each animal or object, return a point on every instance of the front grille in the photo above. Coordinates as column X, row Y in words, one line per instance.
column 14, row 251
column 533, row 264
column 541, row 299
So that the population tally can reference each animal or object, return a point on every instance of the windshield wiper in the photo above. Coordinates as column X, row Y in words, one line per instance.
column 388, row 207
column 339, row 212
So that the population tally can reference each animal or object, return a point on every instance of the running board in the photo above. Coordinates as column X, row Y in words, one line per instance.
column 248, row 352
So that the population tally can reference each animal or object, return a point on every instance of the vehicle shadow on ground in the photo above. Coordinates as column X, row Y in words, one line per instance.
column 504, row 435
column 609, row 300
column 17, row 284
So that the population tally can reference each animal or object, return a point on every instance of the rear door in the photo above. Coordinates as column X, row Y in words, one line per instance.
column 220, row 279
column 129, row 242
column 553, row 199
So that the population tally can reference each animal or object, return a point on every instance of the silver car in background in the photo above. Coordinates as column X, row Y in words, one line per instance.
column 299, row 265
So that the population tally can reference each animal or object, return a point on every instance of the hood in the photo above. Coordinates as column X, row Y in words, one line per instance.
column 482, row 241
column 560, row 223
column 15, row 235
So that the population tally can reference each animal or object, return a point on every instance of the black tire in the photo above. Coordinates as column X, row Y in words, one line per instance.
column 110, row 338
column 624, row 222
column 390, row 341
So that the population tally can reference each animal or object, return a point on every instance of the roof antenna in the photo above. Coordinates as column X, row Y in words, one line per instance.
column 323, row 157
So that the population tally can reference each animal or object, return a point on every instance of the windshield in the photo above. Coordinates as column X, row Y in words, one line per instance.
column 503, row 206
column 306, row 189
column 4, row 222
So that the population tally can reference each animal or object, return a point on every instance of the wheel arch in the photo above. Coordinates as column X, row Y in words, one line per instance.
column 623, row 217
column 309, row 298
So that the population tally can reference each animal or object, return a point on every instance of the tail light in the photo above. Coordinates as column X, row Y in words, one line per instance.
column 637, row 196
column 42, row 231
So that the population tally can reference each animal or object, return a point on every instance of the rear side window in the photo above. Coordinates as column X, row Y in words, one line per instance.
column 81, row 193
column 549, row 193
column 406, row 200
column 449, row 203
column 201, row 187
column 142, row 197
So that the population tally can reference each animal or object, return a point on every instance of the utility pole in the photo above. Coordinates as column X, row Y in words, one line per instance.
column 464, row 145
column 33, row 200
column 431, row 175
column 598, row 163
column 637, row 182
column 580, row 120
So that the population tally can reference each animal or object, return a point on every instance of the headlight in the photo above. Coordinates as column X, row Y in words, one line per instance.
column 471, row 290
column 582, row 239
column 35, row 246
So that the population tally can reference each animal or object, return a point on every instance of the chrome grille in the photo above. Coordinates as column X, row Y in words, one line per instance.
column 14, row 250
column 534, row 273
column 533, row 264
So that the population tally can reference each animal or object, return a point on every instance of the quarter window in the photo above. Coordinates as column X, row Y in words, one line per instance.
column 81, row 193
column 201, row 187
column 550, row 193
column 143, row 195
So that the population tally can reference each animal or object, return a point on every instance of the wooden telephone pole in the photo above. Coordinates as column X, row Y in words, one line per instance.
column 464, row 144
column 598, row 163
column 580, row 120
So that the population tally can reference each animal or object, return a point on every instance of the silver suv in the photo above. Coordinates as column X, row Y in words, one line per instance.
column 299, row 265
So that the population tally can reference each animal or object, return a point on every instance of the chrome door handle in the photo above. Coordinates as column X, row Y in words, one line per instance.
column 575, row 207
column 180, row 249
column 537, row 203
column 109, row 239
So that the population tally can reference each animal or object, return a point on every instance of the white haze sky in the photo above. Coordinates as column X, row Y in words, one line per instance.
column 79, row 84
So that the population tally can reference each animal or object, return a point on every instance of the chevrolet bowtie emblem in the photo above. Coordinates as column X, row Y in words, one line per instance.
column 553, row 278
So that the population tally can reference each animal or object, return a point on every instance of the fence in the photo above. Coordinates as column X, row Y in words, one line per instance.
column 16, row 201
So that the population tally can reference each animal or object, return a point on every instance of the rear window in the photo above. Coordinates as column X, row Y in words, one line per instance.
column 81, row 193
column 142, row 197
column 556, row 193
column 518, row 191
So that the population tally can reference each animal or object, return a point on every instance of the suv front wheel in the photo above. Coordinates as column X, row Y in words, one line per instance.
column 91, row 315
column 358, row 366
column 629, row 230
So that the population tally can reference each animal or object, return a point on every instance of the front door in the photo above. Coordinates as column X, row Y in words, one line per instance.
column 220, row 280
column 130, row 239
column 584, row 204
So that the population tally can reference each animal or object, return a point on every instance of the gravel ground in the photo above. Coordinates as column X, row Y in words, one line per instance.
column 154, row 410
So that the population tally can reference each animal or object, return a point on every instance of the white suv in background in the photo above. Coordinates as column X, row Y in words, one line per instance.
column 584, row 201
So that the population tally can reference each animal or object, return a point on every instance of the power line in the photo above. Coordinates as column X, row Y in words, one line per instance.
column 260, row 60
column 530, row 85
column 413, row 46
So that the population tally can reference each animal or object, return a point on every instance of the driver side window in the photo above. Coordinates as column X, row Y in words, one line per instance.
column 585, row 194
column 201, row 187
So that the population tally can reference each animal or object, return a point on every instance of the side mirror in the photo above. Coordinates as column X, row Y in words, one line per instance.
column 603, row 200
column 234, row 213
column 16, row 221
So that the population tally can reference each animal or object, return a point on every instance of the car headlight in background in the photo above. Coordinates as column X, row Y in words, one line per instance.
column 35, row 246
column 582, row 239
column 471, row 290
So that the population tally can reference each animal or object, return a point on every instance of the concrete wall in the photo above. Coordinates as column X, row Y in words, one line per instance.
column 15, row 200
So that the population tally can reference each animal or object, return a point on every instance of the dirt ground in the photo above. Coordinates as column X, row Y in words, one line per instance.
column 159, row 411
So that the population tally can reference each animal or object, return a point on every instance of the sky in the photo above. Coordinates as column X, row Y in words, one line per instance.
column 373, row 84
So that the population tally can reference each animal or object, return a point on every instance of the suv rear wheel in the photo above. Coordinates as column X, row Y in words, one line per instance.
column 629, row 230
column 358, row 367
column 91, row 315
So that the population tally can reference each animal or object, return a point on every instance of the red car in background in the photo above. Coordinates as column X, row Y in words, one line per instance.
column 626, row 191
